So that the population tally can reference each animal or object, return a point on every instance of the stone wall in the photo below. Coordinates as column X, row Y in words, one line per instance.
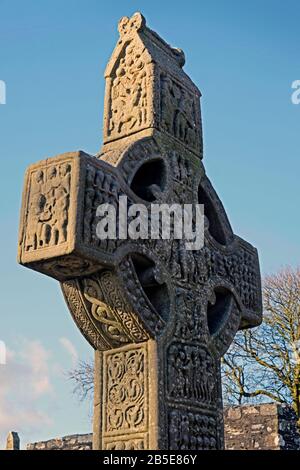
column 73, row 442
column 261, row 427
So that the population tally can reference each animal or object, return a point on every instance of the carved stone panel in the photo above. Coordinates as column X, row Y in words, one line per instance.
column 180, row 113
column 126, row 391
column 192, row 430
column 129, row 92
column 46, row 209
column 146, row 89
column 102, row 312
column 159, row 314
column 191, row 374
column 129, row 391
column 125, row 444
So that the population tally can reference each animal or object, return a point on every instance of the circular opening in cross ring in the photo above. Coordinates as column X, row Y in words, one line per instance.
column 150, row 179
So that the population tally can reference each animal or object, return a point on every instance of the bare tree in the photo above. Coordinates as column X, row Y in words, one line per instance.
column 82, row 377
column 264, row 363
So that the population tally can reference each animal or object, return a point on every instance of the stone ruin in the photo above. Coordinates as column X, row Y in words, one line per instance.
column 158, row 315
column 267, row 426
column 13, row 441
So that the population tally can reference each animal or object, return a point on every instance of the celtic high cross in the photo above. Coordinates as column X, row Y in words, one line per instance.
column 159, row 316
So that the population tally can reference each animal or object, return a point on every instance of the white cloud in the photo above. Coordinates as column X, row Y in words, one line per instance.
column 24, row 381
column 37, row 357
column 70, row 348
column 32, row 387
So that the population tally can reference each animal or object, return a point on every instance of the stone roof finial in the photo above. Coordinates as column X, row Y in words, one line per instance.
column 136, row 23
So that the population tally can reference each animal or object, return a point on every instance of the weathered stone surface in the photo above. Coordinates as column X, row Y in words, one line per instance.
column 261, row 427
column 234, row 413
column 13, row 441
column 73, row 442
column 159, row 316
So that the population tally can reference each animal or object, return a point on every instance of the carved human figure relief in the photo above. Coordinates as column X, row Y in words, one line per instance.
column 195, row 431
column 159, row 316
column 191, row 373
column 48, row 206
column 128, row 94
column 178, row 112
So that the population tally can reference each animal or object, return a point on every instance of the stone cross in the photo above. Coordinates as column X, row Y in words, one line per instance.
column 158, row 315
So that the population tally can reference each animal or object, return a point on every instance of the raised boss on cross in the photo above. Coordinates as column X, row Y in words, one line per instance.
column 159, row 317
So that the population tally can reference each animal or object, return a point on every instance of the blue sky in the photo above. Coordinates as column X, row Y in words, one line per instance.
column 244, row 57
